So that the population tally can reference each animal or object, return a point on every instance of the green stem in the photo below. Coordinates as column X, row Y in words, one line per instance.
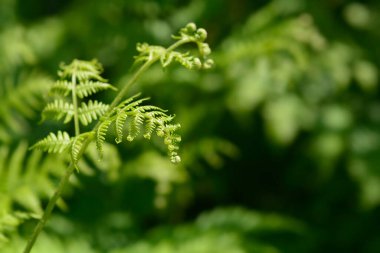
column 75, row 103
column 49, row 208
column 65, row 179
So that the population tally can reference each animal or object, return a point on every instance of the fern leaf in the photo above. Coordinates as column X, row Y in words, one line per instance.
column 101, row 136
column 88, row 88
column 121, row 117
column 76, row 146
column 54, row 143
column 57, row 110
column 91, row 111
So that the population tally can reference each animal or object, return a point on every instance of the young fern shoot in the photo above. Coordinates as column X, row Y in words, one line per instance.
column 81, row 79
column 88, row 81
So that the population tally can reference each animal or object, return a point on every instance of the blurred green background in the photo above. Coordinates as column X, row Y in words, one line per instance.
column 281, row 141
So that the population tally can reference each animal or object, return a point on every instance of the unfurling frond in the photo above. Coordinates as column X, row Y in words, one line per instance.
column 185, row 59
column 54, row 143
column 101, row 135
column 76, row 146
column 88, row 88
column 148, row 52
column 188, row 34
column 91, row 111
column 57, row 110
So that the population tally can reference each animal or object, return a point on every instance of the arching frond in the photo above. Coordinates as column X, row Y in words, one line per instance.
column 57, row 110
column 101, row 135
column 153, row 118
column 87, row 88
column 91, row 111
column 54, row 143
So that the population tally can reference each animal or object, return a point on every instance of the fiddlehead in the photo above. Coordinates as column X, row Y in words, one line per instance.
column 188, row 34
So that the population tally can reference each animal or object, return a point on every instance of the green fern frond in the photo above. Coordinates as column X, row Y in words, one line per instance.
column 101, row 135
column 88, row 88
column 57, row 110
column 91, row 111
column 76, row 146
column 54, row 143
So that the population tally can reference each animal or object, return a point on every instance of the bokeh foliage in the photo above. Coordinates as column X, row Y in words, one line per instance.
column 285, row 128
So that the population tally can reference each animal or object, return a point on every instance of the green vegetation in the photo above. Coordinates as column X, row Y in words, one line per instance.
column 278, row 146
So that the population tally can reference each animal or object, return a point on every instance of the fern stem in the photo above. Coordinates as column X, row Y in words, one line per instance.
column 75, row 103
column 49, row 208
column 53, row 200
column 131, row 81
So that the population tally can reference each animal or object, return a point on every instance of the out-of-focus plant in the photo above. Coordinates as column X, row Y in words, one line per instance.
column 225, row 230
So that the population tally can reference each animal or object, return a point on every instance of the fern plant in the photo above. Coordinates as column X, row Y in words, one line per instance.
column 80, row 79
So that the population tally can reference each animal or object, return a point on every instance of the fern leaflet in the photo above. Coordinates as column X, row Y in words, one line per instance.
column 121, row 117
column 76, row 146
column 57, row 110
column 91, row 111
column 61, row 87
column 101, row 135
column 54, row 143
column 88, row 88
